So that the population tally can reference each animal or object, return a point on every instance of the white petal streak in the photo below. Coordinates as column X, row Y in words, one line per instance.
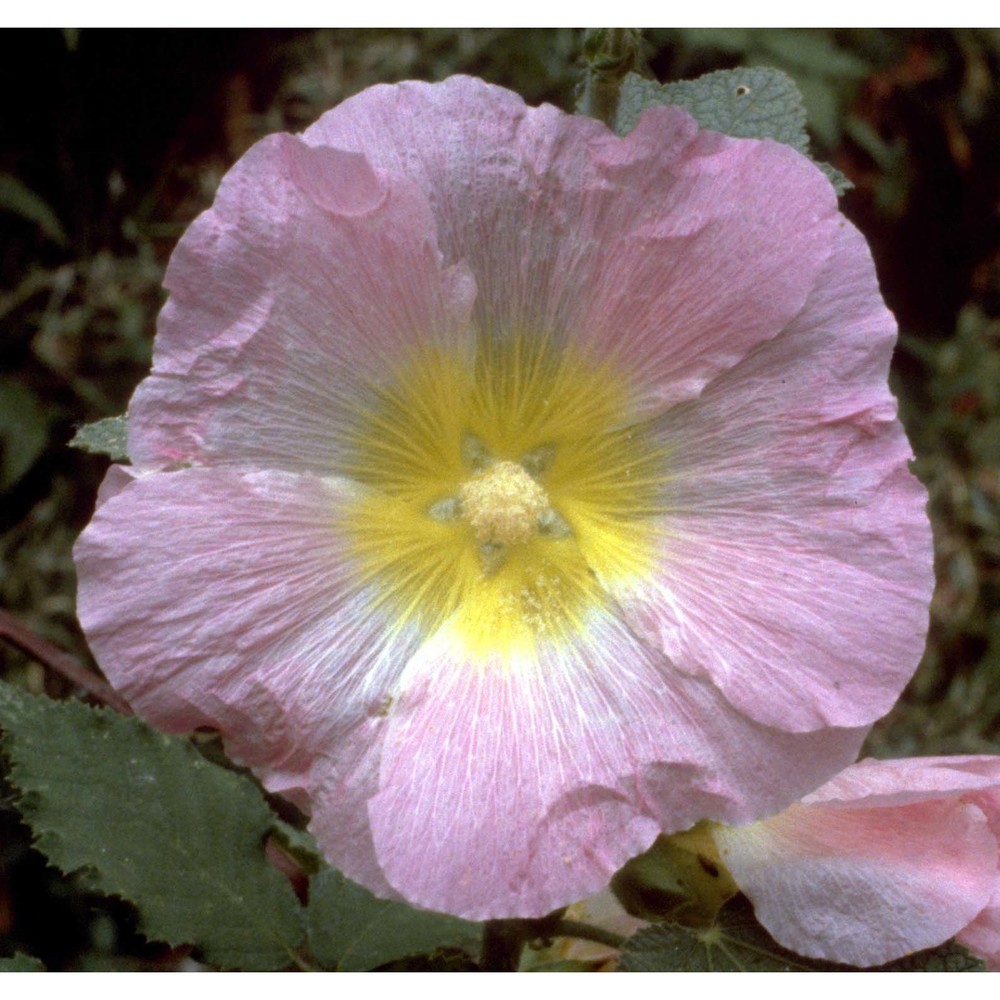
column 543, row 774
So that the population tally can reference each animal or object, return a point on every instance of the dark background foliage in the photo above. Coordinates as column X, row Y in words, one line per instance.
column 112, row 141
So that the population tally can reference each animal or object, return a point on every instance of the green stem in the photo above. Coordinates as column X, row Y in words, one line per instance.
column 578, row 929
column 610, row 53
column 504, row 940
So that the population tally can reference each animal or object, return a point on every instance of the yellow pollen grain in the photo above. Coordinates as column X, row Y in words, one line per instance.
column 503, row 504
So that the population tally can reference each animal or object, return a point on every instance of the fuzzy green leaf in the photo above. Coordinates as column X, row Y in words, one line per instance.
column 21, row 963
column 350, row 930
column 299, row 845
column 736, row 942
column 104, row 437
column 144, row 816
column 753, row 102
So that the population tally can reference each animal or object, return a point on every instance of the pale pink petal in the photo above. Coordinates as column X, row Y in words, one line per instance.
column 312, row 275
column 864, row 887
column 230, row 603
column 673, row 250
column 865, row 879
column 795, row 562
column 512, row 788
column 494, row 802
column 916, row 779
column 115, row 480
column 982, row 936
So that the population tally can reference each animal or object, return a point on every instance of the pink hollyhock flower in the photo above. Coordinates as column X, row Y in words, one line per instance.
column 888, row 858
column 507, row 492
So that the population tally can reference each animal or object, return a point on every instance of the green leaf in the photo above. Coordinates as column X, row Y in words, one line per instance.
column 351, row 930
column 104, row 437
column 144, row 816
column 840, row 181
column 21, row 963
column 822, row 105
column 753, row 102
column 19, row 199
column 810, row 50
column 24, row 431
column 734, row 942
column 299, row 845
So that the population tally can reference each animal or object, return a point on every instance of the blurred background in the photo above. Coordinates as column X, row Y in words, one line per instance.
column 112, row 141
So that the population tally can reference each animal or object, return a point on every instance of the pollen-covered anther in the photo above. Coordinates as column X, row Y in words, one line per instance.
column 503, row 504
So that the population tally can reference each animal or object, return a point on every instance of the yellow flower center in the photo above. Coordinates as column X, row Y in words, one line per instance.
column 503, row 504
column 504, row 490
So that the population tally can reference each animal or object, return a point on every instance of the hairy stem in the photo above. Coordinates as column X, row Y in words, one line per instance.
column 609, row 54
column 578, row 929
column 504, row 940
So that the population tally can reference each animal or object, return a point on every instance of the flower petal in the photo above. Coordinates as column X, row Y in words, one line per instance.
column 916, row 779
column 509, row 788
column 796, row 561
column 309, row 278
column 982, row 936
column 867, row 881
column 673, row 250
column 115, row 480
column 225, row 599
